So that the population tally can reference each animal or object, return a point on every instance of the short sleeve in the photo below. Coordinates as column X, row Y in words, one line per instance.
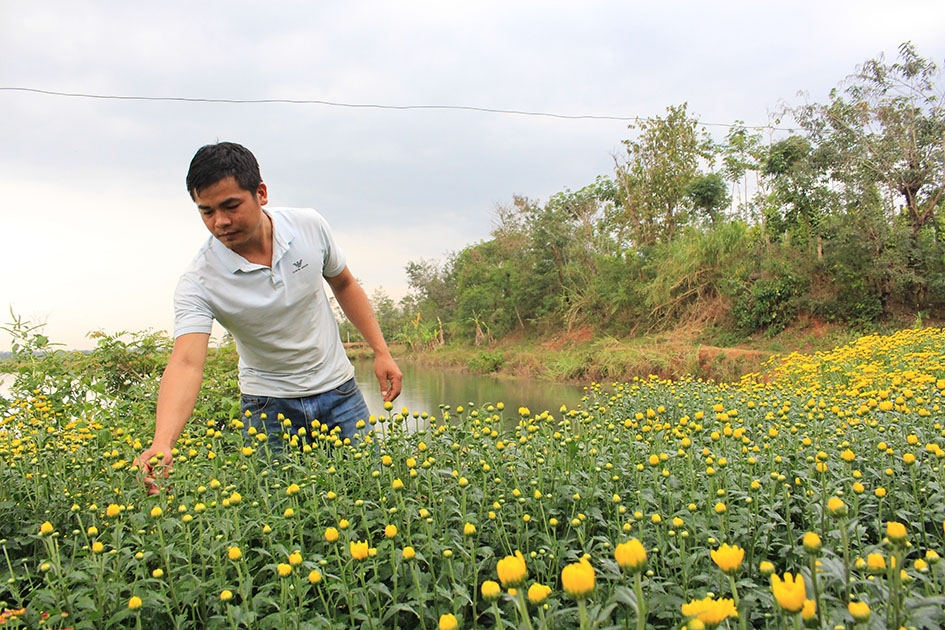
column 334, row 260
column 192, row 312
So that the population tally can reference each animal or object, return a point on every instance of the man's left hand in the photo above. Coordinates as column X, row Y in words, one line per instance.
column 389, row 377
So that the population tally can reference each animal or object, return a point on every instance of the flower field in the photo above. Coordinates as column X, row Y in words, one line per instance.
column 809, row 495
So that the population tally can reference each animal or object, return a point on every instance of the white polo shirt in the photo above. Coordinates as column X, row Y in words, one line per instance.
column 286, row 334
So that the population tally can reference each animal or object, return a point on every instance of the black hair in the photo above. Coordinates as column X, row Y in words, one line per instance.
column 214, row 162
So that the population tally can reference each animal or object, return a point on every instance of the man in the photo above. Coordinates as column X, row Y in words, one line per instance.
column 260, row 275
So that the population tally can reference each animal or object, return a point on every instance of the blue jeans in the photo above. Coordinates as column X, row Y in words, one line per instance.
column 341, row 407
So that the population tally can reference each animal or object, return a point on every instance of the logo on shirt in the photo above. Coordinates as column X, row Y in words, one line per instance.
column 298, row 266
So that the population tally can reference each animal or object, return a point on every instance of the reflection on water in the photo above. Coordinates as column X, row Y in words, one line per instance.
column 426, row 388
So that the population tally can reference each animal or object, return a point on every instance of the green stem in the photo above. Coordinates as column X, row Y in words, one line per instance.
column 582, row 609
column 894, row 577
column 845, row 542
column 741, row 617
column 641, row 603
column 167, row 570
column 321, row 596
column 918, row 496
column 496, row 615
column 522, row 607
column 816, row 583
column 416, row 582
column 365, row 599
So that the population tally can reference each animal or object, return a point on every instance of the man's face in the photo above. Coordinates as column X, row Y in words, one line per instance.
column 234, row 216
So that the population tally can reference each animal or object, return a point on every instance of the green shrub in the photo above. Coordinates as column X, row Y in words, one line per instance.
column 770, row 303
column 486, row 362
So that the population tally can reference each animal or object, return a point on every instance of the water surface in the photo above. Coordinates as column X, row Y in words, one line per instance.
column 426, row 388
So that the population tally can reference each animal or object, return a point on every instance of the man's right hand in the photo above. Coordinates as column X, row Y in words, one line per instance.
column 154, row 463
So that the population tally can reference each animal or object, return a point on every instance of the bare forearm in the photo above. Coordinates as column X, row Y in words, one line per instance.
column 176, row 398
column 357, row 308
column 180, row 385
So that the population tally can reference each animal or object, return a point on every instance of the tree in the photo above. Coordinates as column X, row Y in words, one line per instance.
column 743, row 153
column 797, row 199
column 489, row 291
column 888, row 126
column 880, row 141
column 389, row 317
column 708, row 196
column 660, row 163
column 432, row 288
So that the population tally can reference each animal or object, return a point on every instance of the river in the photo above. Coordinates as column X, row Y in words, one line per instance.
column 426, row 388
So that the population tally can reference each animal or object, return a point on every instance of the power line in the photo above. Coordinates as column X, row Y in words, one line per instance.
column 292, row 101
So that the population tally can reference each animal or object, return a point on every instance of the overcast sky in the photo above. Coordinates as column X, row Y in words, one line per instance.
column 97, row 224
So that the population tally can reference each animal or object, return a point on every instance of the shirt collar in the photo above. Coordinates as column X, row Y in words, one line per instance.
column 282, row 235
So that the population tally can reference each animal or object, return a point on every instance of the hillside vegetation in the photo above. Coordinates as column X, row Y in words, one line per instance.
column 830, row 214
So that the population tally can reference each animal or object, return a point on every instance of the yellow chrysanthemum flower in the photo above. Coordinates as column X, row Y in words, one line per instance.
column 896, row 532
column 860, row 611
column 490, row 590
column 359, row 549
column 876, row 563
column 728, row 557
column 836, row 507
column 809, row 610
column 578, row 579
column 512, row 570
column 790, row 593
column 538, row 592
column 812, row 543
column 710, row 611
column 630, row 555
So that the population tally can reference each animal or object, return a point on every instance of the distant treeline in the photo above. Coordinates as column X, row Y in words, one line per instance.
column 832, row 211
